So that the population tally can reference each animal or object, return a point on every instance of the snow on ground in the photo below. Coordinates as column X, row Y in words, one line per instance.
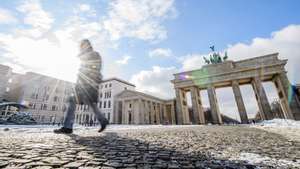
column 80, row 128
column 253, row 158
column 280, row 123
column 289, row 129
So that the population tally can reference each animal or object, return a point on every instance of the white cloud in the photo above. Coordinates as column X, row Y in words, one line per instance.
column 191, row 62
column 124, row 60
column 86, row 8
column 160, row 52
column 35, row 15
column 156, row 81
column 285, row 41
column 138, row 19
column 6, row 17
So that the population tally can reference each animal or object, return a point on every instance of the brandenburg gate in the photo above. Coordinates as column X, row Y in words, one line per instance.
column 251, row 71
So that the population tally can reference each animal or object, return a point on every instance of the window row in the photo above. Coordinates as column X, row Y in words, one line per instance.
column 44, row 107
column 106, row 95
column 104, row 105
column 46, row 98
column 106, row 85
column 83, row 107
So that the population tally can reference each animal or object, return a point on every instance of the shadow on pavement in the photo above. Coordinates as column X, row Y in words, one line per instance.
column 112, row 150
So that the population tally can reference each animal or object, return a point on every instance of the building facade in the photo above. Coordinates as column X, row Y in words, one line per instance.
column 47, row 97
column 5, row 74
column 108, row 89
column 133, row 107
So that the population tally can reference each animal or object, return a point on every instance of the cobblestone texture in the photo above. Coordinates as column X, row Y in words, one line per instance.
column 164, row 147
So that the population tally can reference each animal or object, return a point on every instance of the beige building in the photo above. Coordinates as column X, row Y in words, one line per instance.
column 132, row 107
column 46, row 96
column 253, row 71
column 5, row 74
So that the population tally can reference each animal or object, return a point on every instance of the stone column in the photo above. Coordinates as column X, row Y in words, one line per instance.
column 157, row 111
column 290, row 106
column 262, row 100
column 198, row 113
column 123, row 119
column 152, row 111
column 147, row 121
column 140, row 112
column 239, row 101
column 161, row 113
column 165, row 115
column 116, row 112
column 182, row 107
column 216, row 116
column 179, row 106
column 173, row 117
column 293, row 101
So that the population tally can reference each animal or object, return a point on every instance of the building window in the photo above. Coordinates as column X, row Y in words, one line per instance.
column 100, row 104
column 101, row 95
column 64, row 108
column 53, row 108
column 86, row 107
column 104, row 106
column 43, row 106
column 105, row 85
column 129, row 105
column 108, row 116
column 108, row 104
column 55, row 99
column 34, row 96
column 125, row 88
column 110, row 85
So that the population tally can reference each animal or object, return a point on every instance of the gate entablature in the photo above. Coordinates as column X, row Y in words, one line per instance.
column 222, row 74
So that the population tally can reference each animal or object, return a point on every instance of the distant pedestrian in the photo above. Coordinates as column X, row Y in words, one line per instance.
column 91, row 122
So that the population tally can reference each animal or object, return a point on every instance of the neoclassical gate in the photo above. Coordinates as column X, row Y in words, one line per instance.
column 252, row 71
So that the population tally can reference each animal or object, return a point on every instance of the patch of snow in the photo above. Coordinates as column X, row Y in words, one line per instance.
column 280, row 123
column 80, row 128
column 253, row 158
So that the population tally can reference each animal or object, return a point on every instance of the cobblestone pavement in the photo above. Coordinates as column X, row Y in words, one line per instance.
column 148, row 147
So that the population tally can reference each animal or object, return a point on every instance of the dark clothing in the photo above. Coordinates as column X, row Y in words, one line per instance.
column 89, row 78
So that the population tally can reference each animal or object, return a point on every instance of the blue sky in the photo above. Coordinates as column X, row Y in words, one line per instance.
column 146, row 41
